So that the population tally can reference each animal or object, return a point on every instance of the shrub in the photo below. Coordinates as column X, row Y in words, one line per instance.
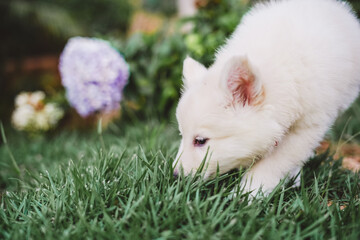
column 156, row 60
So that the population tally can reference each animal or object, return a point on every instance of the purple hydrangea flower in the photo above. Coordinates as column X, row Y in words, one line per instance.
column 93, row 74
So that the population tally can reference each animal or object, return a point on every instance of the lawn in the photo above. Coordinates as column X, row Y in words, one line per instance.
column 118, row 184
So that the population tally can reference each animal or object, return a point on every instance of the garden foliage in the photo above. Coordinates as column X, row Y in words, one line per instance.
column 156, row 60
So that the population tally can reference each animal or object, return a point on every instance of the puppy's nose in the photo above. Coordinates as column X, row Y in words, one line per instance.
column 175, row 173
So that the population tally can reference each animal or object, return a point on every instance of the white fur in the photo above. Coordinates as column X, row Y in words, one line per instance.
column 306, row 56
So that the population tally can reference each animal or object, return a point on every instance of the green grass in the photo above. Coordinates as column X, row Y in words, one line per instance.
column 119, row 185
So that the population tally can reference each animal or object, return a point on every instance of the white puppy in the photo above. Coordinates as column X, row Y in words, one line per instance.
column 274, row 90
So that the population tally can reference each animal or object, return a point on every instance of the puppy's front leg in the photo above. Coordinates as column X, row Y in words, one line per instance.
column 287, row 158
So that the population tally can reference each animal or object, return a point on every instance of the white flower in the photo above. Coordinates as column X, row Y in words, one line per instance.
column 41, row 121
column 21, row 99
column 53, row 112
column 22, row 116
column 31, row 114
column 36, row 97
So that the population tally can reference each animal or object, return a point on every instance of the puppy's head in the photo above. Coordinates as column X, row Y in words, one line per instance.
column 221, row 112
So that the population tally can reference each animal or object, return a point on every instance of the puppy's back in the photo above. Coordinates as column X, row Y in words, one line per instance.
column 309, row 49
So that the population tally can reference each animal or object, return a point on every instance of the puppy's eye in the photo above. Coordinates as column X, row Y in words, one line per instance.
column 200, row 141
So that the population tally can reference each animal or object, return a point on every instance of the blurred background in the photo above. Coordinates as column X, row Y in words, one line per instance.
column 154, row 36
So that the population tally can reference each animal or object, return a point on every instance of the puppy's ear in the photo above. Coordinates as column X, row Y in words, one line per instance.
column 192, row 71
column 241, row 83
